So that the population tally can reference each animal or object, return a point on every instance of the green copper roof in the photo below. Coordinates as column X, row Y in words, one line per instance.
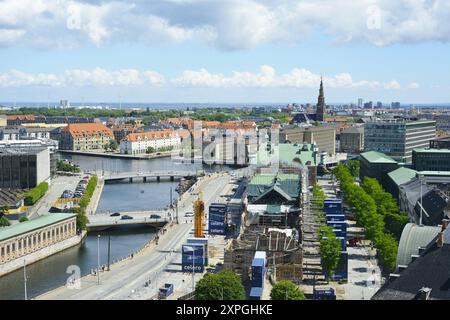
column 429, row 150
column 435, row 173
column 288, row 185
column 28, row 226
column 289, row 153
column 377, row 157
column 402, row 175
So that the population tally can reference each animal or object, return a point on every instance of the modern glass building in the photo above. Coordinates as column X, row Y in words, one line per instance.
column 398, row 138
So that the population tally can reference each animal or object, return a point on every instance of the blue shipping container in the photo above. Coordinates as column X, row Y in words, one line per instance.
column 217, row 208
column 343, row 243
column 258, row 272
column 338, row 225
column 188, row 255
column 336, row 217
column 256, row 293
column 340, row 233
column 217, row 217
column 203, row 241
column 342, row 268
column 186, row 263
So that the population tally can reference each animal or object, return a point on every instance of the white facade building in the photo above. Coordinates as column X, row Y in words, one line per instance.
column 139, row 143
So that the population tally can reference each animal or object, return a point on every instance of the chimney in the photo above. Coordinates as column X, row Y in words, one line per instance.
column 440, row 240
column 424, row 294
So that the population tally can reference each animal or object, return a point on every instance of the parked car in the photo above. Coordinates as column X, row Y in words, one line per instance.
column 125, row 217
column 115, row 214
column 189, row 214
column 155, row 216
column 67, row 194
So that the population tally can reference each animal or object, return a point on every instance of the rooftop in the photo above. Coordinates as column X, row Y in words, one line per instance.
column 20, row 150
column 152, row 135
column 288, row 153
column 413, row 237
column 28, row 226
column 429, row 270
column 377, row 157
column 82, row 129
column 288, row 185
column 430, row 150
column 353, row 129
column 402, row 175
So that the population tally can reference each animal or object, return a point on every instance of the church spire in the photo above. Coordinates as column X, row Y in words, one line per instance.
column 320, row 113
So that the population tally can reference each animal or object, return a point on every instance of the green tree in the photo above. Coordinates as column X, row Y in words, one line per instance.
column 23, row 219
column 286, row 290
column 33, row 196
column 150, row 150
column 113, row 145
column 4, row 221
column 225, row 285
column 387, row 248
column 354, row 166
column 330, row 250
column 67, row 167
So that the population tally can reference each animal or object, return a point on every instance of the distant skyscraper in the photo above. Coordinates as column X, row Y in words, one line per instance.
column 360, row 103
column 64, row 104
column 379, row 105
column 320, row 111
column 368, row 105
column 395, row 105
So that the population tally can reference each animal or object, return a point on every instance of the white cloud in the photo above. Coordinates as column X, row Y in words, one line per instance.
column 266, row 77
column 229, row 24
column 393, row 84
column 413, row 85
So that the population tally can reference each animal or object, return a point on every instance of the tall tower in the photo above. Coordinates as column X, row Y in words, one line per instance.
column 320, row 111
column 199, row 211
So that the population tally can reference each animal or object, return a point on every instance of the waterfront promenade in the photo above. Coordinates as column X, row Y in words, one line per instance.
column 128, row 275
column 118, row 155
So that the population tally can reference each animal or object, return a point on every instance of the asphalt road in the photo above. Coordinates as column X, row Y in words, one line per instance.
column 127, row 276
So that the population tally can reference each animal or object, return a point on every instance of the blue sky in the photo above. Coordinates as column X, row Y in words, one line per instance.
column 224, row 51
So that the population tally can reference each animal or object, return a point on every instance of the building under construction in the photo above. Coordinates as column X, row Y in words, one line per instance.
column 282, row 246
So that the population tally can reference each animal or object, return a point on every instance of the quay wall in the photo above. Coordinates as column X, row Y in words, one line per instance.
column 43, row 253
column 117, row 155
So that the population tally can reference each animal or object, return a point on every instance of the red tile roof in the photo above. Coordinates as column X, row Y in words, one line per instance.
column 87, row 129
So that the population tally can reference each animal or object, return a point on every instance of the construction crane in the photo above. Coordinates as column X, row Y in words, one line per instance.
column 199, row 211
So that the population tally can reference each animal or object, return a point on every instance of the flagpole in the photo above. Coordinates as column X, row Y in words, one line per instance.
column 193, row 269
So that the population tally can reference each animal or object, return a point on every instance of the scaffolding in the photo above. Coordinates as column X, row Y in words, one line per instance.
column 284, row 253
column 199, row 212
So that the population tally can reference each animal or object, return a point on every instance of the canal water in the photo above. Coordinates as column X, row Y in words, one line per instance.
column 50, row 273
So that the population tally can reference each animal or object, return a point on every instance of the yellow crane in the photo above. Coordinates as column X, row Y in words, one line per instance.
column 199, row 211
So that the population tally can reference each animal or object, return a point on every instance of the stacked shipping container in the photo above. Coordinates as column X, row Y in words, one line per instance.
column 217, row 219
column 334, row 212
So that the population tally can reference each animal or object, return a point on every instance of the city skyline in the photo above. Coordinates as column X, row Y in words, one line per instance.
column 224, row 51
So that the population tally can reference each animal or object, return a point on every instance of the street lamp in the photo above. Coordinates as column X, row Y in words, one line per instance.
column 98, row 259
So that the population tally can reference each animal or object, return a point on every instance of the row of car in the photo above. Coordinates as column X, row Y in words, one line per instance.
column 79, row 190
